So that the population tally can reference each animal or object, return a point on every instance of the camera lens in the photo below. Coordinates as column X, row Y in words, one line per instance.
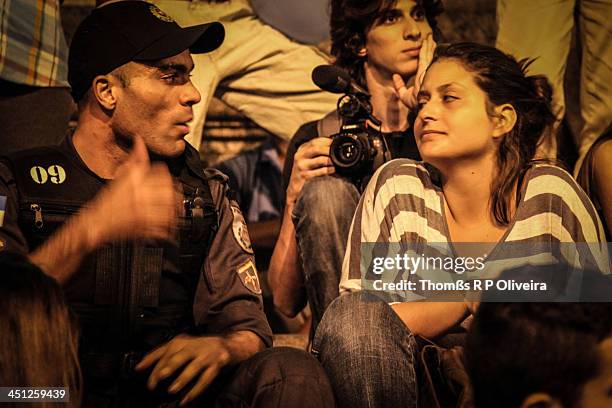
column 346, row 151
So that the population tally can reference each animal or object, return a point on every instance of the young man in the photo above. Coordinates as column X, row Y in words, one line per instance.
column 153, row 257
column 380, row 44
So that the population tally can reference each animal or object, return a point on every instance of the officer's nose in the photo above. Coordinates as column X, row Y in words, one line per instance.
column 190, row 95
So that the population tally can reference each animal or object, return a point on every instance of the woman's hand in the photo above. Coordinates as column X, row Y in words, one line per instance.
column 408, row 95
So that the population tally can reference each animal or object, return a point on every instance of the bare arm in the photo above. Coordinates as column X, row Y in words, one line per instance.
column 285, row 273
column 603, row 174
column 140, row 203
column 431, row 319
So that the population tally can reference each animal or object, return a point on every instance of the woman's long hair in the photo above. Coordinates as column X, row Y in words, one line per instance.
column 38, row 337
column 503, row 79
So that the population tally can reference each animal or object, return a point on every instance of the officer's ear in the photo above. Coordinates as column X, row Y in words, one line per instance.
column 103, row 88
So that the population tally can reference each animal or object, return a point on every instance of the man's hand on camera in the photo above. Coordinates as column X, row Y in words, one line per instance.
column 408, row 95
column 141, row 202
column 310, row 160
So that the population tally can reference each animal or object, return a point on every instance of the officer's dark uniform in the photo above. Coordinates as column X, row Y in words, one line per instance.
column 133, row 296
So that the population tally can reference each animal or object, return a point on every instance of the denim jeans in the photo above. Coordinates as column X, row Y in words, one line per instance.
column 367, row 352
column 322, row 217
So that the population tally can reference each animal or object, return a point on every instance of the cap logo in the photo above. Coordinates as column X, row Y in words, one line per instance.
column 160, row 14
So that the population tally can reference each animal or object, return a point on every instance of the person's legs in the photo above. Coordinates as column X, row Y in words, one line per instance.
column 322, row 217
column 274, row 86
column 595, row 24
column 539, row 30
column 367, row 352
column 278, row 377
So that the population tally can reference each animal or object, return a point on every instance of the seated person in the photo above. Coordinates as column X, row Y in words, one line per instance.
column 146, row 244
column 38, row 336
column 595, row 175
column 540, row 355
column 477, row 124
column 373, row 41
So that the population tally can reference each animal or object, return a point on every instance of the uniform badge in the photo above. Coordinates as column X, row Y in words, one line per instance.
column 248, row 276
column 241, row 233
column 2, row 209
column 160, row 14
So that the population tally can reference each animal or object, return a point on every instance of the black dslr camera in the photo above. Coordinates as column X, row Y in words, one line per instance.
column 355, row 151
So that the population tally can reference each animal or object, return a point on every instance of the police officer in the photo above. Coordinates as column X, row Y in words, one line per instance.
column 154, row 258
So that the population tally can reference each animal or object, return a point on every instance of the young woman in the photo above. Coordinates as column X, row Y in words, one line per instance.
column 478, row 120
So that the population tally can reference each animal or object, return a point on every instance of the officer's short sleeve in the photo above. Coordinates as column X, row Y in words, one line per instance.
column 11, row 237
column 228, row 298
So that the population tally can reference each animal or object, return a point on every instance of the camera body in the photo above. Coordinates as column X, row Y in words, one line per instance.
column 355, row 151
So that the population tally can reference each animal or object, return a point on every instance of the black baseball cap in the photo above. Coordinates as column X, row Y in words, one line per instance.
column 117, row 33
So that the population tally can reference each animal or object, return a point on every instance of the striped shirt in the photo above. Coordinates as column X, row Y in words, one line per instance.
column 402, row 205
column 33, row 48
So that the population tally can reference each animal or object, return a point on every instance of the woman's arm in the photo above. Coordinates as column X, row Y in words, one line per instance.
column 431, row 319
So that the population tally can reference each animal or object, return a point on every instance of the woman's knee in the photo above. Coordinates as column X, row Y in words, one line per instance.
column 356, row 321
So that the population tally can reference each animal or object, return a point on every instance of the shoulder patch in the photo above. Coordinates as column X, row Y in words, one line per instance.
column 248, row 276
column 239, row 229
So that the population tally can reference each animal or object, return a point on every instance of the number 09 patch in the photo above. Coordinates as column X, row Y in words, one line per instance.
column 54, row 174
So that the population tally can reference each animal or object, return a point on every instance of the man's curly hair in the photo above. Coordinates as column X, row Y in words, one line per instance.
column 351, row 20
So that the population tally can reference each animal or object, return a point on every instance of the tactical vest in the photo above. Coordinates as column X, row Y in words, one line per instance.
column 131, row 295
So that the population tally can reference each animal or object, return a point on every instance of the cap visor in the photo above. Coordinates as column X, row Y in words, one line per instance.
column 198, row 39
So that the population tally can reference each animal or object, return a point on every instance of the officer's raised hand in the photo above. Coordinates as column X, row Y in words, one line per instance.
column 141, row 202
column 310, row 160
